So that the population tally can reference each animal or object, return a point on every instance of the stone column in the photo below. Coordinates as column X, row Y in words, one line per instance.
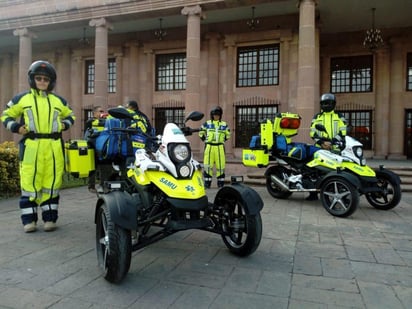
column 146, row 83
column 6, row 91
column 382, row 89
column 100, row 61
column 119, row 57
column 76, row 96
column 134, row 86
column 212, row 97
column 62, row 64
column 25, row 55
column 284, row 86
column 192, row 93
column 228, row 91
column 396, row 128
column 308, row 74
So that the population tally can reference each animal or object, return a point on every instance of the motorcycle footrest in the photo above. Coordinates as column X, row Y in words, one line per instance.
column 178, row 225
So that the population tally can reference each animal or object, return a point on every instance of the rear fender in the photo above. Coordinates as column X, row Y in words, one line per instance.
column 347, row 176
column 122, row 207
column 251, row 200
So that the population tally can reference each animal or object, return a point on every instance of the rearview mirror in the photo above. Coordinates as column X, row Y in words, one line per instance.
column 194, row 116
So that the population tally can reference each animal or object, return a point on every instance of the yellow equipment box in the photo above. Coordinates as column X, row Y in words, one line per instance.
column 79, row 158
column 255, row 158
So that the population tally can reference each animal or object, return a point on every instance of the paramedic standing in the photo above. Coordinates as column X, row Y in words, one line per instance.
column 44, row 115
column 214, row 133
column 334, row 123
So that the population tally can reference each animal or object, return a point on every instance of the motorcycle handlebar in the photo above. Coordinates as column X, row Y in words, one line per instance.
column 189, row 131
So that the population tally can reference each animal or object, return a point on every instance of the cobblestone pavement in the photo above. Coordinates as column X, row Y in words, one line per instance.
column 307, row 259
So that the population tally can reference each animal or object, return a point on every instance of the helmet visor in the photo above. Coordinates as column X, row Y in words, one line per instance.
column 327, row 105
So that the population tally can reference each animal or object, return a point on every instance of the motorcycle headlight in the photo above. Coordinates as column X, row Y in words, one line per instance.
column 358, row 151
column 179, row 152
column 184, row 171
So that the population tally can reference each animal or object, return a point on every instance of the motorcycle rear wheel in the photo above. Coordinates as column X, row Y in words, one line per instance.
column 390, row 194
column 242, row 233
column 113, row 246
column 339, row 197
column 274, row 189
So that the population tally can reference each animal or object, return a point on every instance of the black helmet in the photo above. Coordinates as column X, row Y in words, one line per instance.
column 42, row 68
column 216, row 111
column 327, row 102
column 133, row 105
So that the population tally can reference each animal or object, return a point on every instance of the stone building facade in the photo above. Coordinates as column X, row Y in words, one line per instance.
column 252, row 58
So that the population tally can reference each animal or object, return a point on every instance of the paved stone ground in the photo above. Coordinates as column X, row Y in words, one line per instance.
column 307, row 259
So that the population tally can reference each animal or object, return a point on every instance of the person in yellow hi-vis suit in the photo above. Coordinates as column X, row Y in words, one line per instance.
column 334, row 123
column 214, row 133
column 44, row 115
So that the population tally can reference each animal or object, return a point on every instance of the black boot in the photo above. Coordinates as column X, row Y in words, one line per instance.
column 207, row 184
column 207, row 179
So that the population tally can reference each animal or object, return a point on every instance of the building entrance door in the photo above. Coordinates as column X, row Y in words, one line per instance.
column 408, row 133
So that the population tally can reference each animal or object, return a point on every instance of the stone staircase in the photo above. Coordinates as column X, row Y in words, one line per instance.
column 406, row 178
column 255, row 176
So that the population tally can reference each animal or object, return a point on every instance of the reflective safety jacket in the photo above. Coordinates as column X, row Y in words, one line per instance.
column 334, row 123
column 214, row 132
column 41, row 112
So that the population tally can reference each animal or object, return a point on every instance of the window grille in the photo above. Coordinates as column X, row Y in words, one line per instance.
column 171, row 72
column 258, row 66
column 112, row 74
column 360, row 126
column 409, row 72
column 248, row 119
column 90, row 74
column 351, row 74
column 169, row 111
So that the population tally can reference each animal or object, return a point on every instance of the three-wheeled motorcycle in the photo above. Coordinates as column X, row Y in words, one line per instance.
column 339, row 176
column 154, row 191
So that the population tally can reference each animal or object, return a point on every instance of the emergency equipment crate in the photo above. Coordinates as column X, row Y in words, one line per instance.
column 79, row 158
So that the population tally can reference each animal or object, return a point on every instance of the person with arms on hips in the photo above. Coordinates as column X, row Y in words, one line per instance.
column 44, row 116
column 334, row 123
column 214, row 133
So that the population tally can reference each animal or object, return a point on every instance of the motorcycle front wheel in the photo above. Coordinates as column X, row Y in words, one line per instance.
column 113, row 246
column 390, row 192
column 272, row 187
column 242, row 233
column 339, row 197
